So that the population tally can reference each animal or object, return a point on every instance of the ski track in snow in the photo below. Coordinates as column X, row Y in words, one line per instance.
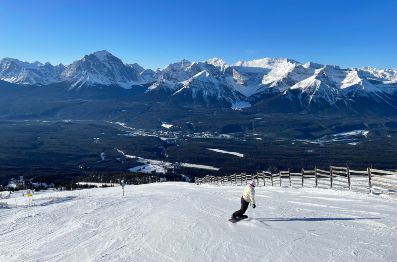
column 185, row 222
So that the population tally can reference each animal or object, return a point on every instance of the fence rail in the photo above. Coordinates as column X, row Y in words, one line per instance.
column 343, row 178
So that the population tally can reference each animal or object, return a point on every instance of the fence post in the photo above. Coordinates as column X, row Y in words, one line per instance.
column 315, row 175
column 330, row 175
column 289, row 175
column 264, row 178
column 348, row 178
column 303, row 172
column 279, row 173
column 245, row 177
column 271, row 177
column 369, row 180
column 235, row 179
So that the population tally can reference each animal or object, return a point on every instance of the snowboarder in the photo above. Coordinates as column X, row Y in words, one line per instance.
column 247, row 198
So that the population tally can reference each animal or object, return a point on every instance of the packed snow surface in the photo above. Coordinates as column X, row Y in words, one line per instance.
column 226, row 152
column 185, row 222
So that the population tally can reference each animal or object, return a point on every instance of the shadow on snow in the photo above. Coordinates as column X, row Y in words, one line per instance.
column 313, row 219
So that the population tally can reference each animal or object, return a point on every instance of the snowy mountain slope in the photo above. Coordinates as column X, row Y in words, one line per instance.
column 98, row 68
column 245, row 80
column 206, row 86
column 102, row 68
column 199, row 82
column 185, row 222
column 149, row 75
column 136, row 67
column 18, row 72
column 318, row 82
column 218, row 62
column 216, row 82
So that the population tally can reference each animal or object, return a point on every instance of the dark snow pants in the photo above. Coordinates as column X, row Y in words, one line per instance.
column 244, row 207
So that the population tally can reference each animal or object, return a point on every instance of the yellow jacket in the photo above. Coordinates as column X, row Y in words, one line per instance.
column 249, row 194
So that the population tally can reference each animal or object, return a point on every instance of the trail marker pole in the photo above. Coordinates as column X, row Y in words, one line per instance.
column 303, row 172
column 264, row 178
column 369, row 179
column 122, row 183
column 315, row 176
column 348, row 178
column 279, row 173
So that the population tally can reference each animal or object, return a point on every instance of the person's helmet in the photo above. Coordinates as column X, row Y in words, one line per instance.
column 252, row 183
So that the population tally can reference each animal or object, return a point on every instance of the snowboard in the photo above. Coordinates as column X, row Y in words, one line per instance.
column 235, row 220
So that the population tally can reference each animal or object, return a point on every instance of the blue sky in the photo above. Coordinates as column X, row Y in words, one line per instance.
column 156, row 33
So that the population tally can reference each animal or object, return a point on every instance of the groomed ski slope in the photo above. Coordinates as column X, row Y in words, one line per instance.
column 186, row 222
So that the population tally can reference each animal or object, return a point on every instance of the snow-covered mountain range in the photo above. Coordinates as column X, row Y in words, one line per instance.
column 237, row 85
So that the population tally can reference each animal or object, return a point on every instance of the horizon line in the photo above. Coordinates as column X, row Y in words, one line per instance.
column 196, row 61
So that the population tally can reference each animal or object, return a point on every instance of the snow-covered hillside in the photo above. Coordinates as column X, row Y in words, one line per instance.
column 185, row 222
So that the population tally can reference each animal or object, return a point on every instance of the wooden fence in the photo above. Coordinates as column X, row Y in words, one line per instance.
column 343, row 178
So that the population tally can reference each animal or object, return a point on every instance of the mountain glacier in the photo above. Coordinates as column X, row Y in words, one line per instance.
column 213, row 81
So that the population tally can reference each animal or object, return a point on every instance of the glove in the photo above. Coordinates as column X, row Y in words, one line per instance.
column 253, row 205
